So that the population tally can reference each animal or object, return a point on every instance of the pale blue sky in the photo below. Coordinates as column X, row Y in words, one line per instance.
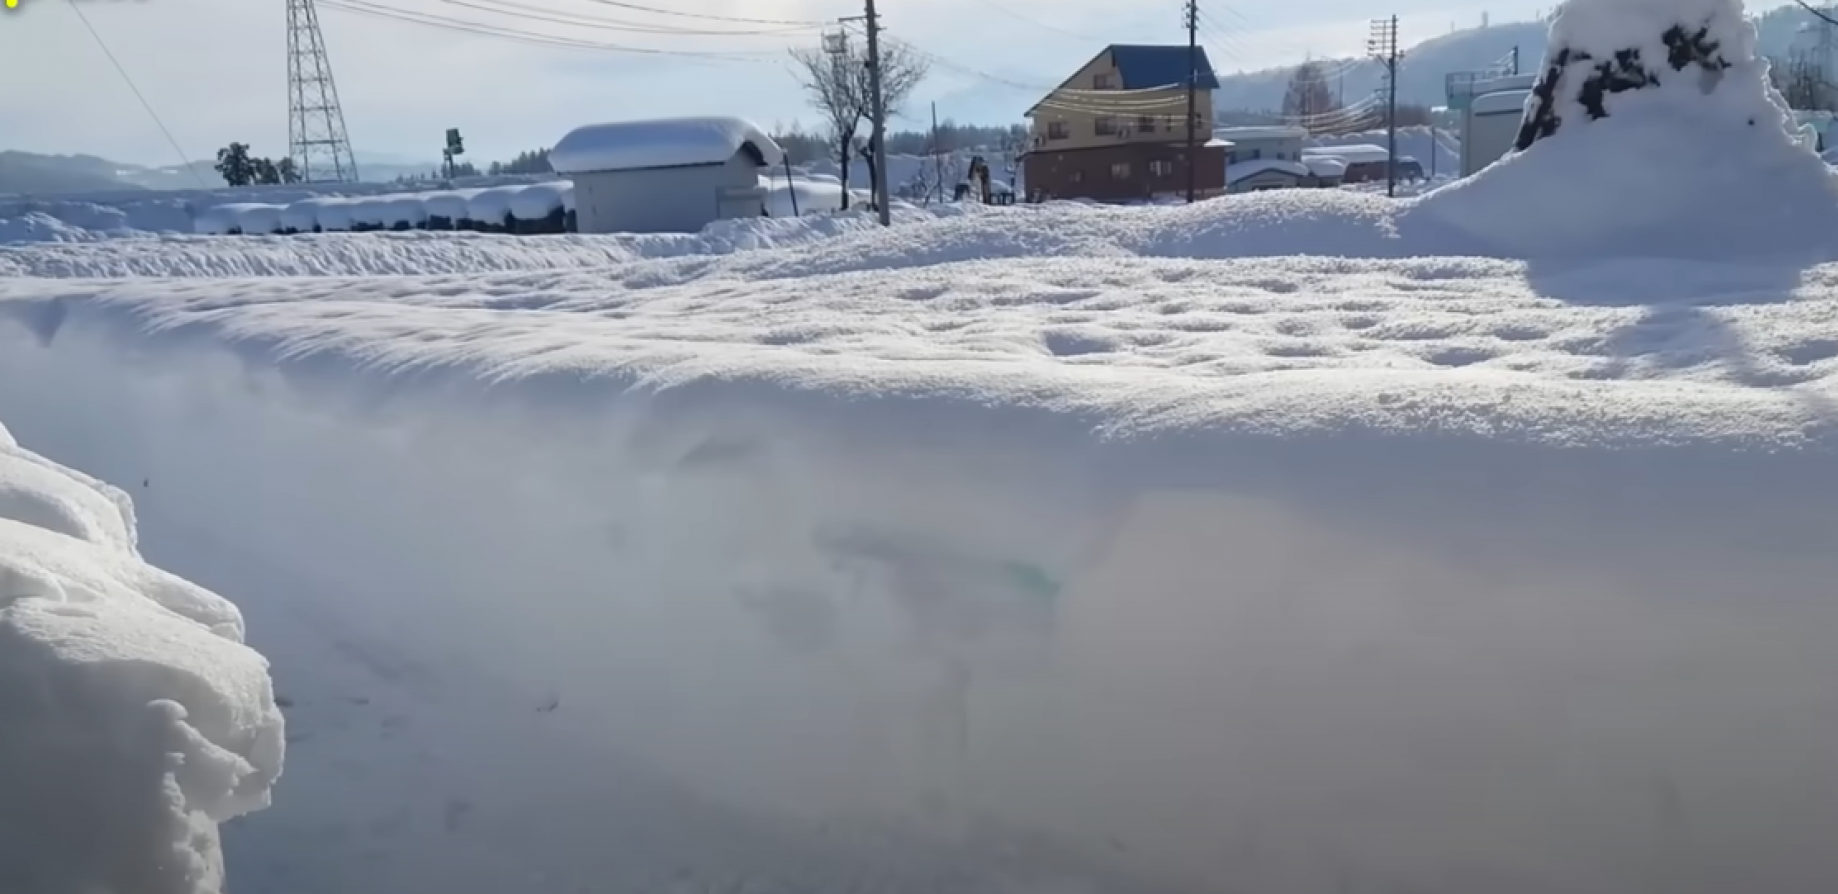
column 215, row 70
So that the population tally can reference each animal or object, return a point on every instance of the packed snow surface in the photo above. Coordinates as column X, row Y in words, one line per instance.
column 133, row 719
column 659, row 143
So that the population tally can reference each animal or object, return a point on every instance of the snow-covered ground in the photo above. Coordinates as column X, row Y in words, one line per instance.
column 1293, row 542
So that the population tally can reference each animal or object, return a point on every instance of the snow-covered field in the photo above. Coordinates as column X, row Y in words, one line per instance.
column 1294, row 542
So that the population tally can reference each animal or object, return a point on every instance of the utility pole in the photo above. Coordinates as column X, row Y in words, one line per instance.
column 1383, row 44
column 938, row 154
column 1193, row 88
column 877, row 107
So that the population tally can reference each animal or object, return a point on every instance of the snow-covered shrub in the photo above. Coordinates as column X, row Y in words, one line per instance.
column 1594, row 56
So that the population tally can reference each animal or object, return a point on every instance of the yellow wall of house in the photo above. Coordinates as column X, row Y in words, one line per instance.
column 1077, row 109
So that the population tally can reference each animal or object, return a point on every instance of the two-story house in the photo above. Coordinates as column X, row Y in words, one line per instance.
column 1117, row 129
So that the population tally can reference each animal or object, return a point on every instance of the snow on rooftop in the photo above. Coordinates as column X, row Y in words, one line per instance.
column 1240, row 170
column 659, row 143
column 1325, row 165
column 137, row 720
column 1353, row 154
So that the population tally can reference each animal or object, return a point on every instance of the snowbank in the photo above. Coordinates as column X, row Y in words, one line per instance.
column 1055, row 563
column 660, row 143
column 1652, row 129
column 135, row 718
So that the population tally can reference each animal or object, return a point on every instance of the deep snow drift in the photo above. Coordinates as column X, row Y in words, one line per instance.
column 1028, row 549
column 132, row 718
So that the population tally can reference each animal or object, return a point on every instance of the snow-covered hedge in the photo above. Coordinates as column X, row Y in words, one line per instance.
column 531, row 208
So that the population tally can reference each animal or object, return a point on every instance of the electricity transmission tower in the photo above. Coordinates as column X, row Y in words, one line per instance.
column 316, row 139
column 1383, row 44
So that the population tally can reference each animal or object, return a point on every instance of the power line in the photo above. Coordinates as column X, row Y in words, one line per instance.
column 1124, row 96
column 184, row 160
column 704, row 16
column 525, row 10
column 444, row 22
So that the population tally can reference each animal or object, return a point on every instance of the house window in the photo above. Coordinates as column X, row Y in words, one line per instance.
column 1145, row 123
column 1105, row 125
column 1057, row 130
column 1161, row 168
column 1120, row 171
column 1103, row 80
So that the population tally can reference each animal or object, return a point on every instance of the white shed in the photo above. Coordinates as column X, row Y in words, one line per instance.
column 1490, row 125
column 665, row 175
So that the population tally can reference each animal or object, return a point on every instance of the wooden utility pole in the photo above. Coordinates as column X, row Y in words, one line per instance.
column 1193, row 89
column 938, row 154
column 1383, row 44
column 877, row 108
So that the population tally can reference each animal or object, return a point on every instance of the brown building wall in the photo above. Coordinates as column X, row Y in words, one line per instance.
column 1088, row 174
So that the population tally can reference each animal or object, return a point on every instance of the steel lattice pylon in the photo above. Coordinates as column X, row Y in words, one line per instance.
column 316, row 139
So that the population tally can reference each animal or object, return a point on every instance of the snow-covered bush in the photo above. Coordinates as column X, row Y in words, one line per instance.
column 1601, row 56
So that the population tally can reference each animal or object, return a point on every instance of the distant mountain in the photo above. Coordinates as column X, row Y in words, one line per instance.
column 1422, row 73
column 27, row 173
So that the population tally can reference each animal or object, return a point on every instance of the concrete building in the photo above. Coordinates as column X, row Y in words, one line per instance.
column 1117, row 129
column 665, row 175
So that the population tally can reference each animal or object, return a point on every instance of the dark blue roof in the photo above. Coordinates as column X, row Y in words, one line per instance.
column 1144, row 66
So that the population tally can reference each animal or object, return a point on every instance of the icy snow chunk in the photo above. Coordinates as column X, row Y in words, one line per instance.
column 135, row 720
column 666, row 142
column 539, row 200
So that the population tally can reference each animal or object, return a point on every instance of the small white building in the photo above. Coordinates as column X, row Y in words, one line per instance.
column 1492, row 109
column 1261, row 143
column 665, row 175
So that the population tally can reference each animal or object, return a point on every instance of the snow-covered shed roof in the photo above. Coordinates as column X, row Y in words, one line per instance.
column 1325, row 165
column 661, row 143
column 1246, row 169
column 1353, row 154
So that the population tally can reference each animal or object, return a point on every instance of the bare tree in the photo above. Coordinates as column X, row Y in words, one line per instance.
column 1308, row 97
column 1802, row 84
column 836, row 84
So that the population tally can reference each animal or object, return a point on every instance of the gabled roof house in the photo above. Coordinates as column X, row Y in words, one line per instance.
column 1116, row 129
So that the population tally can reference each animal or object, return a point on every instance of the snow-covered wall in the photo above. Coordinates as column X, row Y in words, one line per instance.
column 516, row 617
